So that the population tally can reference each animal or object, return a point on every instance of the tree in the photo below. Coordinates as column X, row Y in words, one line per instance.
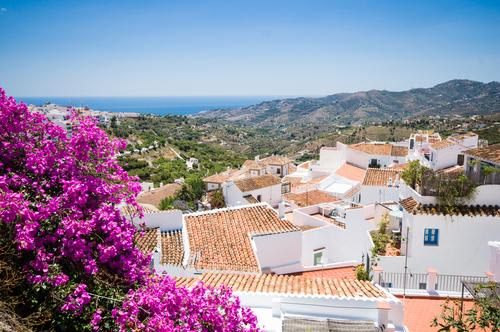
column 484, row 315
column 68, row 257
column 217, row 199
column 412, row 174
column 197, row 186
column 167, row 203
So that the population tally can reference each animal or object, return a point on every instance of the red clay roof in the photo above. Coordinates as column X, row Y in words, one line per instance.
column 490, row 153
column 172, row 247
column 414, row 207
column 257, row 182
column 147, row 240
column 283, row 284
column 442, row 144
column 381, row 149
column 399, row 151
column 379, row 177
column 220, row 239
column 351, row 172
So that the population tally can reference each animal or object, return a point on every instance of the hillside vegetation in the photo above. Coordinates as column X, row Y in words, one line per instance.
column 456, row 97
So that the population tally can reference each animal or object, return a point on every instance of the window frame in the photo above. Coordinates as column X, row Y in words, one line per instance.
column 431, row 236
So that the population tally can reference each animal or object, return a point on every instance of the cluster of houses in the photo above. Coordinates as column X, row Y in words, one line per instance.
column 60, row 116
column 291, row 238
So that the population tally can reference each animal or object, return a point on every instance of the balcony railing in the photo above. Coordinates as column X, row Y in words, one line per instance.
column 453, row 283
column 444, row 282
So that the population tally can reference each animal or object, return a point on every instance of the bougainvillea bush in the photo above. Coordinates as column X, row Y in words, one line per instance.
column 70, row 248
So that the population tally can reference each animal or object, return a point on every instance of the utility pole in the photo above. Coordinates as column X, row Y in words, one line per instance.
column 406, row 262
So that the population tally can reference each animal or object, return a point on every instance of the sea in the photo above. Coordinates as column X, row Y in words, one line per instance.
column 151, row 105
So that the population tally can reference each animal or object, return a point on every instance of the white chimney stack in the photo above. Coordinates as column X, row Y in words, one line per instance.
column 257, row 158
column 281, row 210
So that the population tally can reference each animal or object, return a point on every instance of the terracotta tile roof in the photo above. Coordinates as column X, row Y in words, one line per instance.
column 172, row 247
column 262, row 163
column 220, row 239
column 155, row 196
column 312, row 197
column 490, row 153
column 293, row 180
column 147, row 240
column 253, row 164
column 379, row 177
column 457, row 169
column 276, row 160
column 348, row 272
column 408, row 203
column 257, row 182
column 216, row 178
column 442, row 144
column 284, row 284
column 380, row 149
column 231, row 174
column 128, row 209
column 351, row 172
column 414, row 207
column 399, row 151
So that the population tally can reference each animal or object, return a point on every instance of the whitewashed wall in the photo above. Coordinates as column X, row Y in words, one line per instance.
column 278, row 251
column 165, row 220
column 377, row 194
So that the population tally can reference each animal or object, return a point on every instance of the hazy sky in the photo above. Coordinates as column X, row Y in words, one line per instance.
column 174, row 48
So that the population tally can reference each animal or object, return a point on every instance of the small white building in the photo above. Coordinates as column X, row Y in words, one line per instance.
column 380, row 185
column 264, row 188
column 451, row 243
column 276, row 165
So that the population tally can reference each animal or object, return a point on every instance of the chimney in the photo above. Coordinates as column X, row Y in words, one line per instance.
column 257, row 158
column 389, row 183
column 281, row 209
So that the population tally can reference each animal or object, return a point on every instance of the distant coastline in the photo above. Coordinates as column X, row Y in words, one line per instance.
column 151, row 105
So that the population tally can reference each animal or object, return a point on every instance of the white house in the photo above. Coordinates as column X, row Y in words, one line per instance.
column 264, row 188
column 276, row 165
column 374, row 154
column 247, row 248
column 380, row 185
column 441, row 154
column 215, row 181
column 451, row 243
column 482, row 165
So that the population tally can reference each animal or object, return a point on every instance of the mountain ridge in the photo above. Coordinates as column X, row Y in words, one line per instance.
column 454, row 97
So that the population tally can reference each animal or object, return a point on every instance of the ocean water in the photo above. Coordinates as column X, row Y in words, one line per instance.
column 150, row 105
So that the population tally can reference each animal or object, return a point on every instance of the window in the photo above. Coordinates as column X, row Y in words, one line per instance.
column 431, row 236
column 259, row 198
column 278, row 170
column 422, row 285
column 319, row 256
column 386, row 284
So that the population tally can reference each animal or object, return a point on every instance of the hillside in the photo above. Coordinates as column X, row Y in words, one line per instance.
column 456, row 97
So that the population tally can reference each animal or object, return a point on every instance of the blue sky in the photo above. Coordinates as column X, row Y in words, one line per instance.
column 222, row 48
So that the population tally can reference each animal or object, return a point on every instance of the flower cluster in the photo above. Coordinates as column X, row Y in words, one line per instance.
column 180, row 309
column 59, row 198
column 61, row 192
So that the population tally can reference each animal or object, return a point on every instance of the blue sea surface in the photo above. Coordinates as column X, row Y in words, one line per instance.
column 150, row 105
